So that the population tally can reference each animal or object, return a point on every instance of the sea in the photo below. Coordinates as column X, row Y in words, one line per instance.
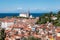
column 2, row 15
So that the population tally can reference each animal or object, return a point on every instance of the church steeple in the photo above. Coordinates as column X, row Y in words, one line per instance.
column 29, row 12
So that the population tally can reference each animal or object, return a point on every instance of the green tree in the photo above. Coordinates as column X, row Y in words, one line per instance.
column 2, row 34
column 58, row 14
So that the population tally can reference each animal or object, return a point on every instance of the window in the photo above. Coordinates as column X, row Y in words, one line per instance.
column 58, row 32
column 17, row 39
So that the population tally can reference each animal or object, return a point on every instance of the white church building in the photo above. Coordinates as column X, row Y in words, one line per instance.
column 24, row 14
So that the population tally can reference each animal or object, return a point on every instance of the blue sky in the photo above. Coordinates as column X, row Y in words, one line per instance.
column 32, row 5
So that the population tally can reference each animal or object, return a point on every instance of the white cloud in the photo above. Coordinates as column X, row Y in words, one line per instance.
column 19, row 8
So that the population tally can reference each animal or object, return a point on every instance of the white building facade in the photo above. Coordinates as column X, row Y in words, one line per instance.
column 6, row 24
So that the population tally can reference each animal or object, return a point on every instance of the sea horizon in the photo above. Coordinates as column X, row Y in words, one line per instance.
column 2, row 15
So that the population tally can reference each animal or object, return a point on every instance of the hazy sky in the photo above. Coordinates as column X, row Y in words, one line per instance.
column 32, row 5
